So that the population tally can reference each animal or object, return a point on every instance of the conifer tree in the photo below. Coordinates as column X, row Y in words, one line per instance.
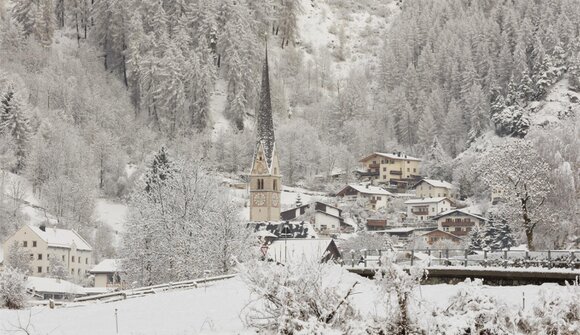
column 504, row 238
column 476, row 241
column 25, row 12
column 160, row 170
column 490, row 234
column 14, row 121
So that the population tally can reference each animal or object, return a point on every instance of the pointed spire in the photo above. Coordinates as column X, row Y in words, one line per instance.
column 265, row 125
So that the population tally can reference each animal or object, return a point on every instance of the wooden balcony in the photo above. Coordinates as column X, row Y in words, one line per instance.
column 396, row 173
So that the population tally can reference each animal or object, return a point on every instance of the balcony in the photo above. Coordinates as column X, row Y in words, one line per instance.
column 396, row 173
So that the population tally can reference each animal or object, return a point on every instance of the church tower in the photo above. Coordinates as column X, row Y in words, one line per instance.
column 265, row 178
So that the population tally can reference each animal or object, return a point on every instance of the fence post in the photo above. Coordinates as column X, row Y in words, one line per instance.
column 572, row 261
column 466, row 251
column 412, row 256
column 429, row 254
column 380, row 256
column 527, row 261
column 549, row 259
column 484, row 258
column 440, row 256
column 352, row 258
column 365, row 262
column 505, row 261
column 446, row 257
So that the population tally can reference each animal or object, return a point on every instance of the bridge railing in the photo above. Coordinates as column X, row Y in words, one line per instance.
column 549, row 259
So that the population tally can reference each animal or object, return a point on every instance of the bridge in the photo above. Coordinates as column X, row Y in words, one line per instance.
column 499, row 267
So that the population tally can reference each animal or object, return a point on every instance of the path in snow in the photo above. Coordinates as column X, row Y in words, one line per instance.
column 217, row 106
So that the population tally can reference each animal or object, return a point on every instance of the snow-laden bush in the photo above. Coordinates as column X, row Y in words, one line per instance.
column 398, row 288
column 12, row 289
column 470, row 311
column 555, row 314
column 300, row 297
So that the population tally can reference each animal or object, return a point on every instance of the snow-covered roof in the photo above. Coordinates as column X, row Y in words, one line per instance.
column 441, row 231
column 61, row 238
column 459, row 211
column 436, row 183
column 370, row 189
column 425, row 201
column 307, row 249
column 399, row 156
column 53, row 285
column 107, row 265
column 264, row 233
column 395, row 230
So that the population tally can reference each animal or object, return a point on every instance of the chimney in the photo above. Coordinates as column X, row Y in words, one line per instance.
column 42, row 227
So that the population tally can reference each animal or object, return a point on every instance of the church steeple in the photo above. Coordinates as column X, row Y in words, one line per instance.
column 264, row 123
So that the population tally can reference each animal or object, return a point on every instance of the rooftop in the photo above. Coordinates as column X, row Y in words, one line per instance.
column 107, row 265
column 460, row 212
column 370, row 189
column 436, row 183
column 61, row 238
column 425, row 201
column 53, row 285
column 394, row 155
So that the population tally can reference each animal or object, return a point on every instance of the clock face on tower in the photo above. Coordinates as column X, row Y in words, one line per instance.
column 275, row 200
column 259, row 199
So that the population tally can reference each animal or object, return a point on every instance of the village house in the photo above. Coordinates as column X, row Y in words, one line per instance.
column 108, row 274
column 376, row 224
column 439, row 238
column 427, row 208
column 376, row 196
column 325, row 219
column 431, row 188
column 395, row 168
column 44, row 243
column 458, row 222
column 53, row 288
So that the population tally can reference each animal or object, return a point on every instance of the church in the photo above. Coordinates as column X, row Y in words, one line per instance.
column 265, row 179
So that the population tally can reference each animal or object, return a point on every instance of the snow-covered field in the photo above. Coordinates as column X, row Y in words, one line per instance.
column 213, row 310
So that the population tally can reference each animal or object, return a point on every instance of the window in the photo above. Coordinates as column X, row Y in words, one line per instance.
column 384, row 176
column 438, row 194
column 374, row 162
column 34, row 244
column 408, row 162
column 25, row 244
column 47, row 256
column 72, row 271
column 378, row 198
column 47, row 269
column 87, row 260
column 79, row 272
column 414, row 170
column 39, row 257
column 408, row 170
column 79, row 259
column 384, row 169
column 73, row 259
column 39, row 270
column 432, row 209
column 275, row 185
column 63, row 258
column 31, row 257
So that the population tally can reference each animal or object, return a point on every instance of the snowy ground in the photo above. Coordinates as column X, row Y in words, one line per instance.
column 213, row 310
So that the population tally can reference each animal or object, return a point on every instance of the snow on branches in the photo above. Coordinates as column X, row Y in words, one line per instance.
column 521, row 175
column 12, row 289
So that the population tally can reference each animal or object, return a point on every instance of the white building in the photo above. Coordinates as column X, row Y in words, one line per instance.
column 43, row 244
column 426, row 208
column 52, row 288
column 324, row 218
column 108, row 273
column 431, row 188
column 377, row 196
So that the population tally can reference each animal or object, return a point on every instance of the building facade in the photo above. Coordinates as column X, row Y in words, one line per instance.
column 459, row 222
column 44, row 243
column 377, row 197
column 325, row 219
column 393, row 167
column 430, row 188
column 265, row 178
column 427, row 208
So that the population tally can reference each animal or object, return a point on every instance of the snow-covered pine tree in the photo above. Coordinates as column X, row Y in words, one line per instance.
column 14, row 121
column 490, row 234
column 161, row 169
column 12, row 289
column 476, row 241
column 45, row 23
column 18, row 259
column 437, row 162
column 504, row 238
column 25, row 12
column 455, row 134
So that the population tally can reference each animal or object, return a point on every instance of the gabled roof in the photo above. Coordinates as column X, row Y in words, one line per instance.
column 435, row 183
column 368, row 189
column 107, row 265
column 460, row 212
column 426, row 201
column 396, row 156
column 61, row 238
column 53, row 285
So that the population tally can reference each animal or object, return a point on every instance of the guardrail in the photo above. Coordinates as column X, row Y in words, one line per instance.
column 461, row 257
column 142, row 291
